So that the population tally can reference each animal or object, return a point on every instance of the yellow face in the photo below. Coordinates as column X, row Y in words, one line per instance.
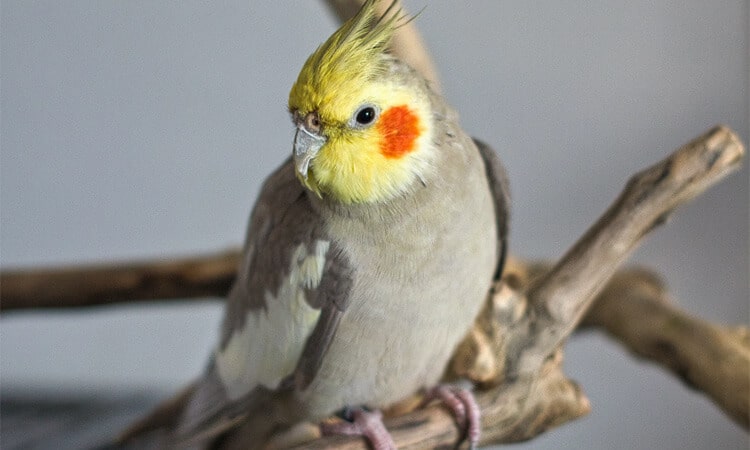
column 363, row 127
column 369, row 144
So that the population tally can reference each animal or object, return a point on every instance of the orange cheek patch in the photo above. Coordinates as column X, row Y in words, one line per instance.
column 400, row 129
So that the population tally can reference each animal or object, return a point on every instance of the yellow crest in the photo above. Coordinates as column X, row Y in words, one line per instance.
column 351, row 57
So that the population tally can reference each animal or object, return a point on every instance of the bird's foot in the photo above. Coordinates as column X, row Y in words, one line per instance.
column 360, row 422
column 463, row 405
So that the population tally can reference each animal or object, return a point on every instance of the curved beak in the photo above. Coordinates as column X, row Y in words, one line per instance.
column 306, row 146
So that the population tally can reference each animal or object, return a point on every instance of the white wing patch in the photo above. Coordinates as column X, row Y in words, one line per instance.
column 268, row 347
column 311, row 267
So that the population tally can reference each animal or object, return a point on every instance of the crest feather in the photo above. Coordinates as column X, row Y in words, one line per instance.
column 354, row 54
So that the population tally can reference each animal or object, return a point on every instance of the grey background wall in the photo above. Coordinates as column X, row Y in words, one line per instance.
column 142, row 129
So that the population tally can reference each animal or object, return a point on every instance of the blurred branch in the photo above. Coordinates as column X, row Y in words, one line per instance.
column 96, row 285
column 636, row 310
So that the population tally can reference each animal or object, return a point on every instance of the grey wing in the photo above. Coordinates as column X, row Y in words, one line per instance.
column 281, row 314
column 332, row 295
column 499, row 187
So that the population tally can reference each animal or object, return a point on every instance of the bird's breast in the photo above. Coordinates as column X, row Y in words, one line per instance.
column 418, row 287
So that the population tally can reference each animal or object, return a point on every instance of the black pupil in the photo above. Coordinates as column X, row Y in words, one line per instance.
column 366, row 115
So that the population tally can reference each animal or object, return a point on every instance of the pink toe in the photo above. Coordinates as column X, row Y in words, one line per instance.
column 374, row 430
column 463, row 406
column 473, row 416
column 366, row 424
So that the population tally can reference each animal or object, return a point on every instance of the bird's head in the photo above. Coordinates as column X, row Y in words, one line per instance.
column 363, row 123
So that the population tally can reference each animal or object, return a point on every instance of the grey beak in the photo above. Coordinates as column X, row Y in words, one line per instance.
column 306, row 147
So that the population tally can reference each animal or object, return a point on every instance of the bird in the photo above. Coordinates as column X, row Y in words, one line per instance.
column 368, row 255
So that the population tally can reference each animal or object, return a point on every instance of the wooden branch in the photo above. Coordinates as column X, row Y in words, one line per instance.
column 96, row 285
column 561, row 297
column 636, row 310
column 527, row 331
column 407, row 43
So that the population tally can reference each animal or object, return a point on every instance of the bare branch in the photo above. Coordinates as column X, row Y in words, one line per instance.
column 96, row 285
column 636, row 310
column 563, row 295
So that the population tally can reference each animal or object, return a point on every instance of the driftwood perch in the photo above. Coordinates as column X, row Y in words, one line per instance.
column 514, row 352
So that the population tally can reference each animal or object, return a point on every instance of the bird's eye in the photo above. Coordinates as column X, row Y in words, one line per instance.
column 364, row 116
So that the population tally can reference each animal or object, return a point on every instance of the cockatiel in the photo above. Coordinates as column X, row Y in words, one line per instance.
column 369, row 251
